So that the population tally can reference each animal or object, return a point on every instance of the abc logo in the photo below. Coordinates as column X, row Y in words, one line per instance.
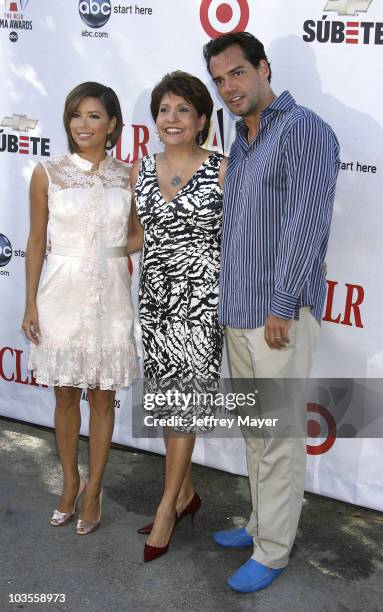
column 95, row 13
column 13, row 37
column 5, row 251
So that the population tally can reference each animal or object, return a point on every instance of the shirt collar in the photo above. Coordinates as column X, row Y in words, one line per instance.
column 86, row 165
column 282, row 104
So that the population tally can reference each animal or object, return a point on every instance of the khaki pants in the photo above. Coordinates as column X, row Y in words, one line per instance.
column 276, row 466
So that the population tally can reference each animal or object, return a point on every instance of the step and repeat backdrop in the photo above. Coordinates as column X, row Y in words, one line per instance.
column 328, row 54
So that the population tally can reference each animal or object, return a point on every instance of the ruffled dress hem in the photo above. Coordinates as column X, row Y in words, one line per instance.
column 108, row 368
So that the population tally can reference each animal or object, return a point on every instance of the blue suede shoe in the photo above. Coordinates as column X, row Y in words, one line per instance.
column 233, row 538
column 253, row 576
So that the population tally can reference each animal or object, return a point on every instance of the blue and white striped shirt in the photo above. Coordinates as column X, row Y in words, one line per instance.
column 278, row 199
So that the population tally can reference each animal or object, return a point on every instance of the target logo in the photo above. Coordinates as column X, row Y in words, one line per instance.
column 323, row 427
column 220, row 17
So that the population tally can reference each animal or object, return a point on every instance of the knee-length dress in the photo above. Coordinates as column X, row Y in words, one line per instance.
column 84, row 298
column 179, row 279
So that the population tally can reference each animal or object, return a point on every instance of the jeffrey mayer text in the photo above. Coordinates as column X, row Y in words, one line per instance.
column 209, row 421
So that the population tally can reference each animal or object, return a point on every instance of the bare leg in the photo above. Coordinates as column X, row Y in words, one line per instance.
column 101, row 424
column 67, row 423
column 179, row 449
column 187, row 491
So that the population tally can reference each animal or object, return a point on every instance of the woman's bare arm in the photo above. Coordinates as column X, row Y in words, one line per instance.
column 36, row 247
column 222, row 171
column 135, row 229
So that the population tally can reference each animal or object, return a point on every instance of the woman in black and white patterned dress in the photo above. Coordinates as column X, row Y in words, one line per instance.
column 178, row 197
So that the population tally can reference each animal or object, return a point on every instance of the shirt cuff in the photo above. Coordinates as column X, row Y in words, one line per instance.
column 283, row 305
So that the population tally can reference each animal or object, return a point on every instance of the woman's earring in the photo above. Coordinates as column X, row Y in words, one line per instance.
column 108, row 144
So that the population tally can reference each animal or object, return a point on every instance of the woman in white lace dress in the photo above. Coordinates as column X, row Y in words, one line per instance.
column 79, row 318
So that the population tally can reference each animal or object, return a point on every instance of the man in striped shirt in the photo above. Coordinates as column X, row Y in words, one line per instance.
column 278, row 200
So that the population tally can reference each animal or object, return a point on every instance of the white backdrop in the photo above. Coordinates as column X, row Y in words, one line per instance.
column 328, row 54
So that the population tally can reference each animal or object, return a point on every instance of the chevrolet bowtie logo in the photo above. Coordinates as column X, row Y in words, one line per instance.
column 348, row 7
column 19, row 123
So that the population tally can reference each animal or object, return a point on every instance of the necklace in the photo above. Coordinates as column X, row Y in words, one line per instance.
column 176, row 180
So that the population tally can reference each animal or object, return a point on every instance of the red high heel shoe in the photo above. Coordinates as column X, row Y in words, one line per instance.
column 153, row 552
column 191, row 508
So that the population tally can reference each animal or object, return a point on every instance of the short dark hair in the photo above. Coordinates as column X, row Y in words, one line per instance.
column 108, row 99
column 252, row 48
column 192, row 89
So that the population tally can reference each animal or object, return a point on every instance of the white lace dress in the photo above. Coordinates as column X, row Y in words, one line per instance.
column 84, row 299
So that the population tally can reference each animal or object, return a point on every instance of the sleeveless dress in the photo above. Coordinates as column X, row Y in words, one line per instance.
column 84, row 298
column 179, row 278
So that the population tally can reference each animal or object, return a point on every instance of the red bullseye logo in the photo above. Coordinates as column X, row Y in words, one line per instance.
column 220, row 17
column 314, row 429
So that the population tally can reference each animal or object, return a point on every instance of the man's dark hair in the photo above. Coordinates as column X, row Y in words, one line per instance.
column 192, row 89
column 108, row 99
column 252, row 48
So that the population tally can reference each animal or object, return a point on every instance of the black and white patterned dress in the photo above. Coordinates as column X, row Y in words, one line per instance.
column 182, row 338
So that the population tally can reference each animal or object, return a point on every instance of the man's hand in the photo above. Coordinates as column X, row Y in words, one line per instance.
column 277, row 331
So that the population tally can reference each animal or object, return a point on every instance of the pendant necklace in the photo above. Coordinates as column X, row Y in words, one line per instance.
column 176, row 180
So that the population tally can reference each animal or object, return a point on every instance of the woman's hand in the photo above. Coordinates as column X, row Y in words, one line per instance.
column 31, row 324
